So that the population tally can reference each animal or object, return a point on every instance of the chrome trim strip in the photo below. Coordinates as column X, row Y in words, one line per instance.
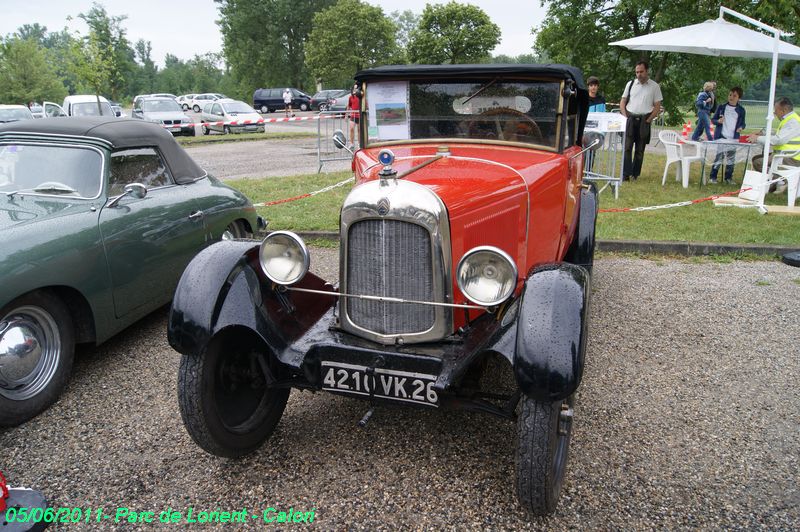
column 389, row 299
column 412, row 203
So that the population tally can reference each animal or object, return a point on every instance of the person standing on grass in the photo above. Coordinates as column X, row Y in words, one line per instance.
column 729, row 122
column 640, row 104
column 703, row 104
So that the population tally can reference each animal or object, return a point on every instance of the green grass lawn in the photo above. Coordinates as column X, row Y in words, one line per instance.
column 696, row 223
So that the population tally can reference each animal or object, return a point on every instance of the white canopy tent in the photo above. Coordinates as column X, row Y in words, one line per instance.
column 724, row 39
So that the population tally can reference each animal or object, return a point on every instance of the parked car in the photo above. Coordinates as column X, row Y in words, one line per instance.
column 165, row 112
column 338, row 101
column 466, row 244
column 118, row 111
column 12, row 113
column 36, row 110
column 269, row 100
column 100, row 217
column 80, row 105
column 185, row 101
column 319, row 102
column 200, row 100
column 227, row 110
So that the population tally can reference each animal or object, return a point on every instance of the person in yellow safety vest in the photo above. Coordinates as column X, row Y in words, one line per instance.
column 785, row 139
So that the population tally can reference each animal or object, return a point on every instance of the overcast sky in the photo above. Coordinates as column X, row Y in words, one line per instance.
column 187, row 27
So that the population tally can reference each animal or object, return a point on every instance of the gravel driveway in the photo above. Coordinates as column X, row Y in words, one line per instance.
column 688, row 416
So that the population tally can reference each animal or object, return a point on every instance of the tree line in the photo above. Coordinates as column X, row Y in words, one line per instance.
column 311, row 43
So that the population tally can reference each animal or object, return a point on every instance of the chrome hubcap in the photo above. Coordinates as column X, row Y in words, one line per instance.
column 29, row 352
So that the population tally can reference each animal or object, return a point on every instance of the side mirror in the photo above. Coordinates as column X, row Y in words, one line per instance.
column 134, row 190
column 339, row 140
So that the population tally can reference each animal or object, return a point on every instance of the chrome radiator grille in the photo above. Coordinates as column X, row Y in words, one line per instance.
column 390, row 258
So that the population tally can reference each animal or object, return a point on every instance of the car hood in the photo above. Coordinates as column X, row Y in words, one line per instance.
column 20, row 209
column 471, row 177
column 244, row 116
column 165, row 115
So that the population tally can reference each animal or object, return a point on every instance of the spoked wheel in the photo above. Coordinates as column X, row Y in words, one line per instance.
column 36, row 352
column 236, row 230
column 204, row 127
column 543, row 433
column 226, row 404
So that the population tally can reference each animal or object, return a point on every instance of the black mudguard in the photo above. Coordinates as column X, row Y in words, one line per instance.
column 224, row 286
column 581, row 251
column 551, row 332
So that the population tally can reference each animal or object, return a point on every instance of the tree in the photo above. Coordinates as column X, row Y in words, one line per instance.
column 406, row 22
column 107, row 49
column 147, row 71
column 347, row 37
column 264, row 40
column 453, row 33
column 26, row 75
column 577, row 32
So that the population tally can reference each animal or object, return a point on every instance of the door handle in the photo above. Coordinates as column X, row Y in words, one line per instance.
column 196, row 215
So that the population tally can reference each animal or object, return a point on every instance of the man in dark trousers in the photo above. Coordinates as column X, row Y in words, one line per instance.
column 640, row 103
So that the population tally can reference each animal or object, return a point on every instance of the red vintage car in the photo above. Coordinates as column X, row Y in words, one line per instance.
column 466, row 244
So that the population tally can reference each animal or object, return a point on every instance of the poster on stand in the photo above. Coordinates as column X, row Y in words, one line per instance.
column 387, row 103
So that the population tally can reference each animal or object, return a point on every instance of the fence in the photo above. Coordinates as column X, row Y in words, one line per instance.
column 756, row 113
column 328, row 123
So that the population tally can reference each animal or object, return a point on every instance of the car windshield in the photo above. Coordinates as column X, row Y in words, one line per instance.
column 238, row 107
column 161, row 106
column 91, row 109
column 50, row 170
column 486, row 109
column 12, row 115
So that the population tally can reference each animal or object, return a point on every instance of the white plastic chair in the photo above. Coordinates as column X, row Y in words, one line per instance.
column 677, row 152
column 790, row 173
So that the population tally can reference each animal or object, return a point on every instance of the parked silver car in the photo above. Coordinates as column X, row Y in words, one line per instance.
column 164, row 111
column 227, row 110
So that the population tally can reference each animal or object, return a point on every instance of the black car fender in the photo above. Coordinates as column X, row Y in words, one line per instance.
column 223, row 287
column 551, row 331
column 581, row 251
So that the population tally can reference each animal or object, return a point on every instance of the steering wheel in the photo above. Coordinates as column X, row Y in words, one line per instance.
column 499, row 124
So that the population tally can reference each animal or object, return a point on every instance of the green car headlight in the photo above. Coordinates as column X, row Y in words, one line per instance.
column 486, row 275
column 284, row 257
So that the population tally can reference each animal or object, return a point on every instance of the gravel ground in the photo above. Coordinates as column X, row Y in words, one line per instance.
column 688, row 417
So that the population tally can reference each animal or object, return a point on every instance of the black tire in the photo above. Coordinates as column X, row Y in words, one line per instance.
column 264, row 110
column 237, row 229
column 30, row 386
column 792, row 258
column 196, row 108
column 225, row 403
column 206, row 130
column 543, row 436
column 226, row 130
column 304, row 107
column 185, row 107
column 323, row 107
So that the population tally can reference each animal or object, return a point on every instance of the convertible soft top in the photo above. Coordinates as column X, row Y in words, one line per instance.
column 119, row 133
column 482, row 70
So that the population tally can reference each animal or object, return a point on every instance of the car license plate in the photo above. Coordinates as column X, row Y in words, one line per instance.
column 389, row 384
column 173, row 129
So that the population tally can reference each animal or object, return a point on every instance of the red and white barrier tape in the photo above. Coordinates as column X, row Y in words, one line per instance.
column 308, row 195
column 679, row 204
column 251, row 122
column 3, row 492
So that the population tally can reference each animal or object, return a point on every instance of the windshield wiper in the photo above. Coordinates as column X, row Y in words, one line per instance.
column 55, row 187
column 480, row 90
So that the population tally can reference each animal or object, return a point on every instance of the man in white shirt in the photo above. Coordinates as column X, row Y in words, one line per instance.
column 640, row 103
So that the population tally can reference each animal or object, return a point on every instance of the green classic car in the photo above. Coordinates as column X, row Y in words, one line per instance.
column 98, row 219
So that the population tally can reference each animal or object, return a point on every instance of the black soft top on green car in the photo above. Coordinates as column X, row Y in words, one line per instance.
column 113, row 133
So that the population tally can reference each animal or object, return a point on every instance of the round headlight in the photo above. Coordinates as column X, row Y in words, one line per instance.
column 487, row 275
column 284, row 257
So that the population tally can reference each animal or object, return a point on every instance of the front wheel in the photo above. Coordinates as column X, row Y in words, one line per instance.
column 543, row 433
column 264, row 109
column 37, row 346
column 196, row 108
column 226, row 130
column 304, row 107
column 226, row 404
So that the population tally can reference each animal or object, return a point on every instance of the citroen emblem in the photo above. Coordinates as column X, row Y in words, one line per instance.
column 383, row 206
